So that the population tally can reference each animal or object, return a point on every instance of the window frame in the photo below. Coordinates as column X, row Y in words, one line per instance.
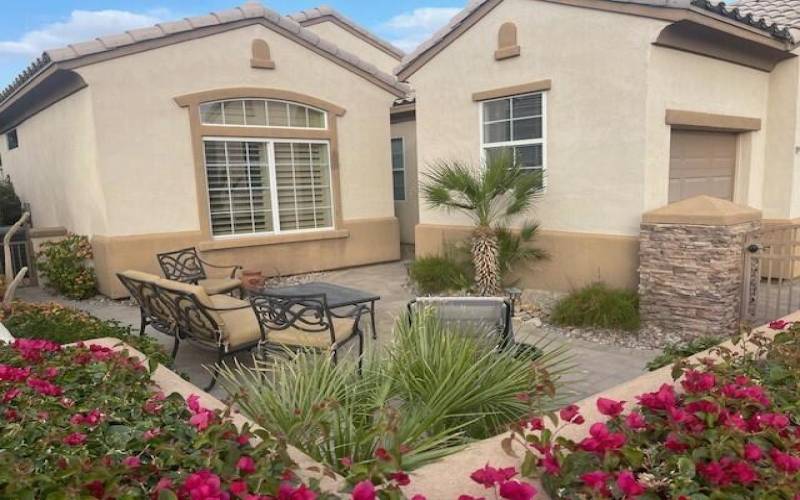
column 403, row 170
column 273, row 188
column 266, row 110
column 525, row 142
column 12, row 133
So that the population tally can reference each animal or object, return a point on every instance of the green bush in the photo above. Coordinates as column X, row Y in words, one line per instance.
column 441, row 273
column 430, row 393
column 680, row 350
column 598, row 305
column 516, row 249
column 66, row 266
column 10, row 205
column 63, row 325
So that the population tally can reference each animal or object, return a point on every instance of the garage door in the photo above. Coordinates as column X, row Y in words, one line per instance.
column 701, row 163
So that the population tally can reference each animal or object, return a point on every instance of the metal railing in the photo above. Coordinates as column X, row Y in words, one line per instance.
column 21, row 252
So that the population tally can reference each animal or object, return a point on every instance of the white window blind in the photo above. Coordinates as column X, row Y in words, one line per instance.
column 262, row 186
column 398, row 169
column 515, row 126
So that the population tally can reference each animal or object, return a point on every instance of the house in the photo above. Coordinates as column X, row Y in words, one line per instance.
column 624, row 105
column 264, row 140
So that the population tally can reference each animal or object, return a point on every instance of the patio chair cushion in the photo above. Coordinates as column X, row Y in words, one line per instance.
column 342, row 327
column 141, row 276
column 214, row 286
column 240, row 326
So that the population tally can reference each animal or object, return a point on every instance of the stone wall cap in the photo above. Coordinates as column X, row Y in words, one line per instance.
column 702, row 211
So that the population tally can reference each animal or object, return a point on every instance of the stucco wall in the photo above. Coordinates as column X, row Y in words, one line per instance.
column 54, row 167
column 352, row 43
column 145, row 157
column 407, row 211
column 683, row 81
column 595, row 142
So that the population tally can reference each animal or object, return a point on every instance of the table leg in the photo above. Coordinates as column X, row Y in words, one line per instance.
column 372, row 318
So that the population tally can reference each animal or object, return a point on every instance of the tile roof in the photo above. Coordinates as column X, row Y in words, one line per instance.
column 720, row 9
column 250, row 10
column 785, row 13
column 305, row 17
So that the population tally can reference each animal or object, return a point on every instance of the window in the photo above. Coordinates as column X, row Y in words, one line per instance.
column 268, row 186
column 399, row 169
column 261, row 113
column 515, row 126
column 12, row 140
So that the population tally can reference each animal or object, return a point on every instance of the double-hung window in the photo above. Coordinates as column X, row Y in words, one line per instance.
column 398, row 169
column 263, row 185
column 515, row 126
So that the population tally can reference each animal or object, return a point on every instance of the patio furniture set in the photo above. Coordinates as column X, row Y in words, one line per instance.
column 221, row 315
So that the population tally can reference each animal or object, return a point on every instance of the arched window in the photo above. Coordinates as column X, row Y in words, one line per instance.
column 262, row 113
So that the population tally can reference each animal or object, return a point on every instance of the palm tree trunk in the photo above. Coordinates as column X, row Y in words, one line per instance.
column 485, row 252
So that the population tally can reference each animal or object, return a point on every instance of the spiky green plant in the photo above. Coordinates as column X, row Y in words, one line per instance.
column 431, row 392
column 491, row 196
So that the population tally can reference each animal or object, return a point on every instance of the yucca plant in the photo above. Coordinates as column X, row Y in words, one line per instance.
column 491, row 196
column 430, row 393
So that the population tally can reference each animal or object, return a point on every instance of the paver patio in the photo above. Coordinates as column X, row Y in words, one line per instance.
column 598, row 366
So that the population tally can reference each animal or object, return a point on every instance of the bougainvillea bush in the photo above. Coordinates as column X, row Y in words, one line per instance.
column 728, row 429
column 85, row 422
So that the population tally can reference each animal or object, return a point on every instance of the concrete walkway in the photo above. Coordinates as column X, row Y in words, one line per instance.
column 598, row 366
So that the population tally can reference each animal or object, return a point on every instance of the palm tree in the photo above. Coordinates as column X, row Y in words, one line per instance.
column 491, row 196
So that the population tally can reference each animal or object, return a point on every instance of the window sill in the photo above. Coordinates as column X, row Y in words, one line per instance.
column 276, row 239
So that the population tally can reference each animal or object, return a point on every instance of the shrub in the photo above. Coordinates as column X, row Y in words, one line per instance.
column 65, row 326
column 85, row 422
column 65, row 265
column 430, row 393
column 10, row 205
column 677, row 351
column 599, row 306
column 516, row 249
column 728, row 430
column 441, row 273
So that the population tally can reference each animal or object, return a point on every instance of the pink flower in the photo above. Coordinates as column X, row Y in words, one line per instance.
column 203, row 484
column 382, row 454
column 243, row 439
column 635, row 420
column 13, row 374
column 50, row 373
column 535, row 424
column 752, row 452
column 11, row 415
column 164, row 483
column 418, row 497
column 32, row 349
column 514, row 490
column 595, row 480
column 44, row 387
column 346, row 462
column 698, row 382
column 660, row 400
column 714, row 473
column 132, row 462
column 202, row 420
column 571, row 414
column 778, row 324
column 775, row 420
column 628, row 484
column 364, row 490
column 193, row 402
column 96, row 488
column 609, row 407
column 672, row 443
column 151, row 434
column 550, row 464
column 11, row 394
column 400, row 478
column 784, row 461
column 76, row 419
column 238, row 488
column 246, row 465
column 742, row 473
column 488, row 476
column 602, row 439
column 94, row 417
column 75, row 439
column 286, row 492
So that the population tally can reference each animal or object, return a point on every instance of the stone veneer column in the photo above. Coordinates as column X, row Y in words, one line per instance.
column 692, row 265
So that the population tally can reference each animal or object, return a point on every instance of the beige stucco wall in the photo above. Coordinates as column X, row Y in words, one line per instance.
column 407, row 211
column 350, row 42
column 595, row 110
column 683, row 81
column 145, row 156
column 55, row 167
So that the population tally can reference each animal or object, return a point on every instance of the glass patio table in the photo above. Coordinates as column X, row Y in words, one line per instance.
column 342, row 301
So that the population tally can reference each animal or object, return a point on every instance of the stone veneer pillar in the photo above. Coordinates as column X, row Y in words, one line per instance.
column 691, row 267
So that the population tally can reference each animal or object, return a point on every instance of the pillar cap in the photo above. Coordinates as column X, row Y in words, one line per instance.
column 702, row 210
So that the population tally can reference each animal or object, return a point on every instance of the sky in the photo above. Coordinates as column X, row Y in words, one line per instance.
column 29, row 27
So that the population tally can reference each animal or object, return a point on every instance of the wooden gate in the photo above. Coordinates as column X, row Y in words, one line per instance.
column 771, row 285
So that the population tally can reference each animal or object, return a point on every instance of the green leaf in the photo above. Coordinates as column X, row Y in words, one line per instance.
column 686, row 467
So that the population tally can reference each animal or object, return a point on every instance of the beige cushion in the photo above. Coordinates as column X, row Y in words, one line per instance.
column 240, row 325
column 343, row 328
column 213, row 286
column 140, row 276
column 195, row 290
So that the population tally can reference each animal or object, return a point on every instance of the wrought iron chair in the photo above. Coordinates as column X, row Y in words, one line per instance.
column 304, row 321
column 220, row 323
column 186, row 265
column 481, row 316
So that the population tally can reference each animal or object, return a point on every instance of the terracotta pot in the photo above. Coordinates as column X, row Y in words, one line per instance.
column 253, row 280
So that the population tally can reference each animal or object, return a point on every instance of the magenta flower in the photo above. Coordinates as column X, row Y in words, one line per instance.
column 698, row 382
column 609, row 407
column 784, row 461
column 202, row 420
column 489, row 476
column 382, row 454
column 400, row 478
column 132, row 462
column 635, row 420
column 778, row 324
column 602, row 439
column 203, row 484
column 44, row 387
column 514, row 490
column 595, row 480
column 662, row 399
column 13, row 374
column 571, row 414
column 364, row 490
column 673, row 443
column 628, row 484
column 239, row 488
column 752, row 452
column 11, row 394
column 75, row 439
column 246, row 465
